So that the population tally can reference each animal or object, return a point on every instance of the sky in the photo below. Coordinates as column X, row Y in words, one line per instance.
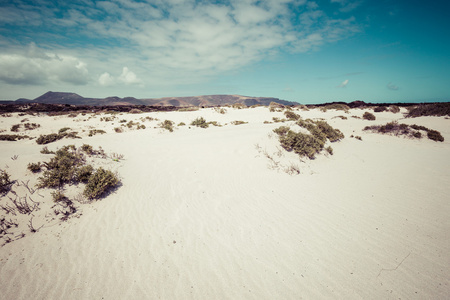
column 297, row 50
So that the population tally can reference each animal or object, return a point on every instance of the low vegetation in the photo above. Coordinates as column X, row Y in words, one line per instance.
column 52, row 137
column 93, row 132
column 305, row 144
column 12, row 137
column 5, row 182
column 200, row 122
column 238, row 122
column 34, row 167
column 335, row 106
column 431, row 109
column 410, row 131
column 167, row 124
column 100, row 183
column 368, row 116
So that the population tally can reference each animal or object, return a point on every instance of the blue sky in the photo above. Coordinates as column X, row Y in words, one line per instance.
column 297, row 50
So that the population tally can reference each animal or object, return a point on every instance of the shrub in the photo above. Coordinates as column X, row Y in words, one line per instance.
column 282, row 130
column 46, row 151
column 118, row 129
column 369, row 116
column 61, row 168
column 290, row 115
column 15, row 128
column 34, row 167
column 329, row 150
column 31, row 126
column 59, row 196
column 182, row 124
column 300, row 143
column 435, row 136
column 200, row 122
column 380, row 109
column 100, row 183
column 63, row 130
column 167, row 124
column 220, row 110
column 12, row 137
column 88, row 149
column 394, row 109
column 238, row 122
column 239, row 105
column 135, row 111
column 5, row 182
column 84, row 173
column 336, row 106
column 49, row 138
column 332, row 134
column 430, row 109
column 93, row 132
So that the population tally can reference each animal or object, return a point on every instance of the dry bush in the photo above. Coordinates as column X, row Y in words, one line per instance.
column 368, row 116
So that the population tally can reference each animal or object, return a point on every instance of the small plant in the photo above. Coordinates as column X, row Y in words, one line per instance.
column 380, row 109
column 118, row 129
column 34, row 167
column 435, row 136
column 135, row 111
column 239, row 105
column 292, row 116
column 47, row 139
column 84, row 173
column 238, row 122
column 88, row 149
column 336, row 106
column 167, row 124
column 59, row 196
column 12, row 137
column 93, row 132
column 220, row 110
column 141, row 126
column 5, row 182
column 15, row 128
column 394, row 109
column 46, row 151
column 369, row 116
column 200, row 122
column 329, row 150
column 282, row 130
column 31, row 126
column 63, row 130
column 100, row 183
column 181, row 124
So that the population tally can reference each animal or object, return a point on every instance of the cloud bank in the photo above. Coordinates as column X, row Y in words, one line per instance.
column 180, row 40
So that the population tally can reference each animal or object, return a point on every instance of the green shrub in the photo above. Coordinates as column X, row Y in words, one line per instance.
column 369, row 116
column 332, row 134
column 61, row 168
column 84, row 173
column 167, row 124
column 300, row 143
column 182, row 124
column 49, row 138
column 34, row 167
column 290, row 115
column 200, row 122
column 5, row 182
column 59, row 196
column 100, row 183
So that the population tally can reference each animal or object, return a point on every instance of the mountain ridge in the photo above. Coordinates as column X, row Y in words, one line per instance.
column 203, row 100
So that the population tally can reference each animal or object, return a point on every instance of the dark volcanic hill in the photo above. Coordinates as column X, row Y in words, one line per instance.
column 209, row 100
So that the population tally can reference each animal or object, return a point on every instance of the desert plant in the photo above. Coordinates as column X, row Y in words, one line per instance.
column 368, row 116
column 181, row 124
column 329, row 150
column 135, row 111
column 301, row 143
column 118, row 129
column 12, row 137
column 238, row 122
column 380, row 109
column 435, row 136
column 282, row 130
column 59, row 196
column 63, row 130
column 220, row 110
column 15, row 128
column 430, row 109
column 84, row 173
column 5, row 182
column 394, row 109
column 31, row 126
column 49, row 138
column 290, row 115
column 88, row 149
column 167, row 124
column 200, row 122
column 336, row 106
column 34, row 167
column 100, row 183
column 45, row 150
column 239, row 105
column 93, row 132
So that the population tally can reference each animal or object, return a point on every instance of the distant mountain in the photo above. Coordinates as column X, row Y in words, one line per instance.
column 208, row 100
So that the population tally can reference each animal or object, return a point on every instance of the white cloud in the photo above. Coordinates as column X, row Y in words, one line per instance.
column 34, row 67
column 392, row 87
column 343, row 84
column 128, row 77
column 106, row 79
column 347, row 5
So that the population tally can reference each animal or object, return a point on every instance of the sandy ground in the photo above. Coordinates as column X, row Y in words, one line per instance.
column 206, row 214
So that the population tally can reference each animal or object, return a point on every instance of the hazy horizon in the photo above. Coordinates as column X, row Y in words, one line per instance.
column 296, row 50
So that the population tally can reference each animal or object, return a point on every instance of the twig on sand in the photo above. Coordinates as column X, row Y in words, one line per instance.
column 396, row 266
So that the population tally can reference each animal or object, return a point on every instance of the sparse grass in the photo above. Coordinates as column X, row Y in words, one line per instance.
column 368, row 116
column 88, row 149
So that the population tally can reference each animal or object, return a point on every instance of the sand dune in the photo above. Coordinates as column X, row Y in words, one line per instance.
column 203, row 214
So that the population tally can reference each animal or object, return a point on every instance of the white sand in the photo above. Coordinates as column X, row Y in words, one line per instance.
column 203, row 214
